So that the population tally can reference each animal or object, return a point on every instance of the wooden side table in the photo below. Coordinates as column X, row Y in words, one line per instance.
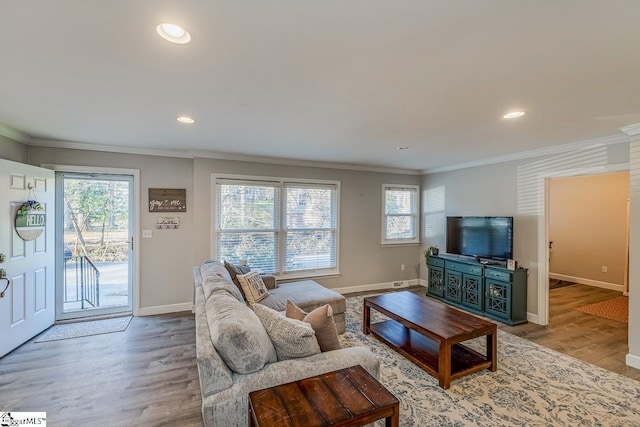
column 347, row 397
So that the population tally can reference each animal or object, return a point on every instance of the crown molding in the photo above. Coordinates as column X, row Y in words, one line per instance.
column 14, row 134
column 51, row 143
column 631, row 130
column 302, row 163
column 557, row 149
column 54, row 143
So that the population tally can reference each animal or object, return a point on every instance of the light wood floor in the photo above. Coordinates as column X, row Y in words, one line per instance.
column 144, row 376
column 147, row 376
column 596, row 340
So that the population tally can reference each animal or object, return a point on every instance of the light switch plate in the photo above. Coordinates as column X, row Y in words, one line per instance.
column 147, row 234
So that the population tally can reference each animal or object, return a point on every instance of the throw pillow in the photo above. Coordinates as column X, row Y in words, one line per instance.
column 234, row 270
column 291, row 338
column 321, row 320
column 253, row 287
column 238, row 335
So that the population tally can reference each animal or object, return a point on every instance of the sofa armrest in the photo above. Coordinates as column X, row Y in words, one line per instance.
column 269, row 281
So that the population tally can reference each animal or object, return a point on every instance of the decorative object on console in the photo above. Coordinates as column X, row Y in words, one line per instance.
column 431, row 250
column 321, row 320
column 253, row 287
column 512, row 264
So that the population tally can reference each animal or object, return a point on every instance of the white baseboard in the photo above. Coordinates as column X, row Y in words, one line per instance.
column 164, row 309
column 379, row 286
column 583, row 281
column 533, row 318
column 633, row 361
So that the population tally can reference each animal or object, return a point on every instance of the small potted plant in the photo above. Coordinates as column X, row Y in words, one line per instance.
column 431, row 250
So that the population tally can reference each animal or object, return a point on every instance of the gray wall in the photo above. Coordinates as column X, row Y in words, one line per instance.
column 505, row 189
column 12, row 150
column 165, row 259
column 362, row 259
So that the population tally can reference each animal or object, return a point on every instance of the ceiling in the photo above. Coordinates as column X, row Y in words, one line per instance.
column 328, row 81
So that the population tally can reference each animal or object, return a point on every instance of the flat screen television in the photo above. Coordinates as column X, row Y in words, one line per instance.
column 489, row 237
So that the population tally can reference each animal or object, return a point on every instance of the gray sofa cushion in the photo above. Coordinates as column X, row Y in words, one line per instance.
column 212, row 267
column 215, row 277
column 214, row 375
column 292, row 338
column 306, row 294
column 238, row 334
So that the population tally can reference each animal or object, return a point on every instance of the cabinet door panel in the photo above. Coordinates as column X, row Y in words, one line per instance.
column 498, row 298
column 472, row 295
column 436, row 282
column 453, row 286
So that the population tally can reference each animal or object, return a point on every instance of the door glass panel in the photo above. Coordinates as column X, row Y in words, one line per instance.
column 96, row 231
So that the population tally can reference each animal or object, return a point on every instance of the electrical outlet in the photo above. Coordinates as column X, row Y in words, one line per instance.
column 401, row 267
column 604, row 268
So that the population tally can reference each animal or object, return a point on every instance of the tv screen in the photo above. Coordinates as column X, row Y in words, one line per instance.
column 480, row 236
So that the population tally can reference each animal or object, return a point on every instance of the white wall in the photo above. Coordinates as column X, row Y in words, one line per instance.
column 362, row 259
column 12, row 150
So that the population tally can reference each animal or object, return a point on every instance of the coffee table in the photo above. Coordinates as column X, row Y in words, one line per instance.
column 429, row 333
column 347, row 397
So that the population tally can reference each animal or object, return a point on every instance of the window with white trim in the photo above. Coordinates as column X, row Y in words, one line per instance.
column 400, row 214
column 284, row 227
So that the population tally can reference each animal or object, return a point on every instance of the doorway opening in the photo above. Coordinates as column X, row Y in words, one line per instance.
column 95, row 229
column 589, row 237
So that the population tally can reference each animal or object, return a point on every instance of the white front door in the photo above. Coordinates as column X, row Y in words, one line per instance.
column 27, row 306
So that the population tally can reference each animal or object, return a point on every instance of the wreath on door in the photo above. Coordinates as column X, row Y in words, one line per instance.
column 30, row 220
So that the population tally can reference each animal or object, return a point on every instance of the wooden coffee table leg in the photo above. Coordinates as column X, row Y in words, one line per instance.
column 492, row 349
column 444, row 365
column 393, row 420
column 366, row 318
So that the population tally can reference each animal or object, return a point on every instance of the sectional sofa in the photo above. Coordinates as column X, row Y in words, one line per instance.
column 241, row 360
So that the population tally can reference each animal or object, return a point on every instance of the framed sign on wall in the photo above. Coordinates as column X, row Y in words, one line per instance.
column 167, row 200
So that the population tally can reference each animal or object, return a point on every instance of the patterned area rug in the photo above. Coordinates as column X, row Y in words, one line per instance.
column 533, row 386
column 614, row 309
column 84, row 329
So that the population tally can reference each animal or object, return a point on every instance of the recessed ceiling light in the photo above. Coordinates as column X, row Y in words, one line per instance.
column 173, row 33
column 514, row 115
column 185, row 119
column 404, row 147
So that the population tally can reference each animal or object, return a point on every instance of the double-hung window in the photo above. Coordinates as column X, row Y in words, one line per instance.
column 283, row 227
column 400, row 214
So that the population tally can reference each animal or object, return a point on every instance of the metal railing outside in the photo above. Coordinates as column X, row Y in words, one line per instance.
column 85, row 282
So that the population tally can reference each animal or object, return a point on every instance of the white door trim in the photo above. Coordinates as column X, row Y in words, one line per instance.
column 543, row 231
column 136, row 219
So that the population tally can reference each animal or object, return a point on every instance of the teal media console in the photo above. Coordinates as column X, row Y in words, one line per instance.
column 488, row 290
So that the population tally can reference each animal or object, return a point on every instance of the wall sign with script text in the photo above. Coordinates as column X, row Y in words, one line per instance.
column 167, row 200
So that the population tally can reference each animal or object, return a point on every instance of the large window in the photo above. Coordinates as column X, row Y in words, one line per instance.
column 400, row 214
column 287, row 228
